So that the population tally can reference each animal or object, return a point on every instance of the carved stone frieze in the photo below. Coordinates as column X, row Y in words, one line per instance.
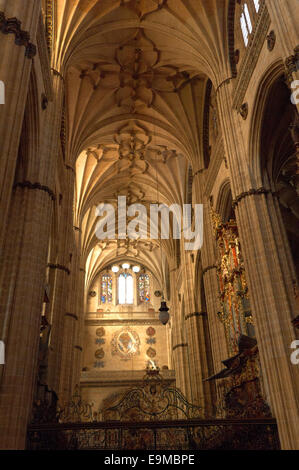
column 22, row 38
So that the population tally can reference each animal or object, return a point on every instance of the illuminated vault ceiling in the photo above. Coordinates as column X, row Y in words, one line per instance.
column 135, row 74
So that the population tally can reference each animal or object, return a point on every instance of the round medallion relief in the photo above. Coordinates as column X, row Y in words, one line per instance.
column 150, row 331
column 151, row 352
column 99, row 354
column 125, row 343
column 100, row 331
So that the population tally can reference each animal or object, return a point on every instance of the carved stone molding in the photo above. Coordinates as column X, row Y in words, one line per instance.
column 250, row 192
column 243, row 111
column 49, row 12
column 44, row 102
column 121, row 321
column 231, row 36
column 72, row 315
column 251, row 57
column 22, row 38
column 195, row 314
column 292, row 65
column 58, row 266
column 208, row 268
column 58, row 74
column 38, row 186
column 69, row 167
column 206, row 118
column 44, row 59
column 181, row 345
column 271, row 40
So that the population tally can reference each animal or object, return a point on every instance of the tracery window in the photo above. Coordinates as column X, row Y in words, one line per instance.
column 246, row 24
column 106, row 289
column 144, row 288
column 248, row 12
column 257, row 5
column 125, row 288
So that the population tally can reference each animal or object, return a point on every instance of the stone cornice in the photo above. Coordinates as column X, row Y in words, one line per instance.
column 22, row 38
column 253, row 50
column 36, row 186
column 124, row 322
column 107, row 378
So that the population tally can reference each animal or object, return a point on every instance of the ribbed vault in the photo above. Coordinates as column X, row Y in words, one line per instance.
column 136, row 75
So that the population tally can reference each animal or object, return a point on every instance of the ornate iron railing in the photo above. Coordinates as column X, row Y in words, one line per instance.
column 194, row 434
column 154, row 416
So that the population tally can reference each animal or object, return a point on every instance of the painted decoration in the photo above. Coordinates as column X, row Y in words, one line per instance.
column 150, row 340
column 100, row 331
column 125, row 343
column 150, row 331
column 151, row 352
column 99, row 364
column 99, row 354
column 100, row 340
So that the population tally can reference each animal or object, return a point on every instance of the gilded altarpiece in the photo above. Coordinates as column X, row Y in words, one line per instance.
column 235, row 307
column 240, row 384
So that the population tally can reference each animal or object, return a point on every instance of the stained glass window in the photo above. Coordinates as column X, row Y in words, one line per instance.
column 125, row 289
column 106, row 292
column 144, row 288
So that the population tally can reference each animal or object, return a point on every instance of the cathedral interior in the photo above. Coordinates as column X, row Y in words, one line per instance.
column 149, row 342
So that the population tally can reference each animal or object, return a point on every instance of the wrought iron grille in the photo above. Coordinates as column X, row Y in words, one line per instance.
column 157, row 435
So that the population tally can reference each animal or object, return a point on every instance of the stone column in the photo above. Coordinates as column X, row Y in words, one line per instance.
column 79, row 339
column 270, row 275
column 179, row 345
column 18, row 20
column 23, row 283
column 196, row 337
column 61, row 266
column 71, row 325
column 210, row 281
column 211, row 289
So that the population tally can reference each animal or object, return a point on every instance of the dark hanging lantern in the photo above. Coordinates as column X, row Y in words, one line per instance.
column 164, row 315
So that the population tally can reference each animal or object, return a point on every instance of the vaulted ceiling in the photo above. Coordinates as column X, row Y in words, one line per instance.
column 136, row 74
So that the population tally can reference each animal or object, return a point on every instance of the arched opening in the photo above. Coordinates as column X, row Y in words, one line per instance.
column 279, row 140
